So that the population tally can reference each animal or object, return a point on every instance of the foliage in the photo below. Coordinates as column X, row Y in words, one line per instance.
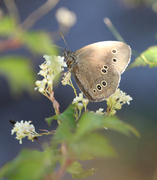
column 80, row 136
column 148, row 57
column 79, row 141
column 18, row 70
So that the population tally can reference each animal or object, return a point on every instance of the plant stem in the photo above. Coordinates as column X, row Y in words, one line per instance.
column 68, row 161
column 113, row 29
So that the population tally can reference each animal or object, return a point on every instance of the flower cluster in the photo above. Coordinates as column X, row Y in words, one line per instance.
column 79, row 104
column 116, row 101
column 52, row 66
column 23, row 129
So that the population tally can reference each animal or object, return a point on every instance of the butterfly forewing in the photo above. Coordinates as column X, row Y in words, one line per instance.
column 113, row 52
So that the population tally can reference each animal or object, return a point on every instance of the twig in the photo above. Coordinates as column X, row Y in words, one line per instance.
column 68, row 161
column 37, row 14
column 61, row 171
column 9, row 44
column 55, row 103
column 12, row 9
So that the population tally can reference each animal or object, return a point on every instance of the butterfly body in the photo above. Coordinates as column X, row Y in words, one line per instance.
column 97, row 67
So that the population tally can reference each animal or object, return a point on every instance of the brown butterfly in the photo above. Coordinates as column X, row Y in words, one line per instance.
column 97, row 67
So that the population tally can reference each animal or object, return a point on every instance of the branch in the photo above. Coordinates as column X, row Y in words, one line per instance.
column 61, row 171
column 37, row 14
column 12, row 10
column 10, row 44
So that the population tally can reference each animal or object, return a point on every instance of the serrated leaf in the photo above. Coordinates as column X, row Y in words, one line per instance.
column 95, row 145
column 148, row 57
column 39, row 42
column 63, row 133
column 77, row 171
column 67, row 115
column 18, row 72
column 89, row 122
column 85, row 156
column 116, row 124
column 7, row 26
column 49, row 120
column 76, row 167
column 29, row 165
column 84, row 174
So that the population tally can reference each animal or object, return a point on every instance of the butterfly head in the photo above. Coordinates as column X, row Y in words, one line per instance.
column 69, row 57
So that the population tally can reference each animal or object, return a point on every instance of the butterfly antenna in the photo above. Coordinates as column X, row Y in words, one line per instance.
column 64, row 40
column 58, row 46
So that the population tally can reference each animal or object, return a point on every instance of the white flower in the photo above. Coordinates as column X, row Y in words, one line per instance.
column 78, row 98
column 116, row 101
column 40, row 85
column 65, row 17
column 123, row 98
column 53, row 63
column 85, row 102
column 23, row 129
column 52, row 66
column 80, row 106
column 61, row 61
column 99, row 111
column 66, row 78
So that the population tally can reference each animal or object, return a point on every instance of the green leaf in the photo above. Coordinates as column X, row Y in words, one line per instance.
column 18, row 72
column 49, row 120
column 95, row 145
column 76, row 167
column 62, row 134
column 115, row 124
column 85, row 156
column 7, row 26
column 84, row 141
column 84, row 174
column 148, row 57
column 77, row 171
column 29, row 165
column 67, row 115
column 66, row 127
column 39, row 42
column 89, row 122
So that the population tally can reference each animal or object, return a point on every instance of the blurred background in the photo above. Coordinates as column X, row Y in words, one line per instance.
column 136, row 21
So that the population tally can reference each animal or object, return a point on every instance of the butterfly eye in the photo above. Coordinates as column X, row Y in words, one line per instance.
column 114, row 51
column 99, row 88
column 114, row 60
column 104, row 83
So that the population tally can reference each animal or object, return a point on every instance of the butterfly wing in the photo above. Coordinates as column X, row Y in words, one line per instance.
column 95, row 72
column 114, row 52
column 96, row 85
